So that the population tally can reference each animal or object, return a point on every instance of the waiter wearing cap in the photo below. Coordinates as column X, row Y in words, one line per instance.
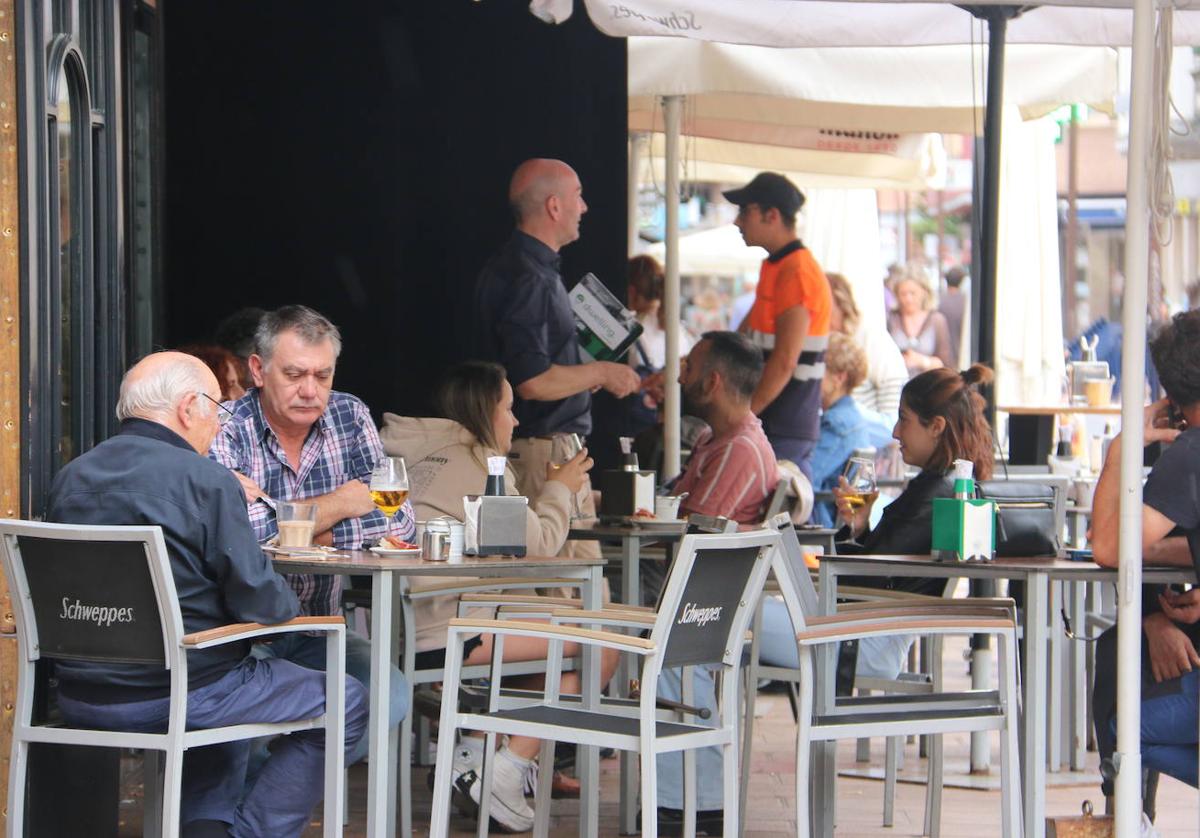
column 789, row 319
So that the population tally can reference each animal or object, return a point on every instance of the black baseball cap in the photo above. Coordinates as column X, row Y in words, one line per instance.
column 768, row 189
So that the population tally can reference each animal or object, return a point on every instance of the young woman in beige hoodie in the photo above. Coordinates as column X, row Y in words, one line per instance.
column 447, row 459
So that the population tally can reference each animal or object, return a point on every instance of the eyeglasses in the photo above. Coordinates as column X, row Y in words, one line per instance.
column 224, row 414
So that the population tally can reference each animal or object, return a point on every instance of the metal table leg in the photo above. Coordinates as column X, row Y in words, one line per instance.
column 631, row 594
column 1055, row 693
column 384, row 741
column 1033, row 723
column 588, row 763
column 824, row 753
column 1078, row 732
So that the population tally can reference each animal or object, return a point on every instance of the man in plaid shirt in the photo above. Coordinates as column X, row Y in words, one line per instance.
column 292, row 437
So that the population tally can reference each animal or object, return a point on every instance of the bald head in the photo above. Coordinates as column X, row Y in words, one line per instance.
column 164, row 387
column 547, row 201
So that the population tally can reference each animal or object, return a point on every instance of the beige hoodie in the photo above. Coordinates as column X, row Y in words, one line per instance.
column 446, row 462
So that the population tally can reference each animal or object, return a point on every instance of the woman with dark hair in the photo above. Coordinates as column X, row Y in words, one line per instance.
column 447, row 459
column 941, row 420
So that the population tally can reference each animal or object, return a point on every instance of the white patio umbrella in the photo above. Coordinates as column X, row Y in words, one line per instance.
column 821, row 117
column 792, row 23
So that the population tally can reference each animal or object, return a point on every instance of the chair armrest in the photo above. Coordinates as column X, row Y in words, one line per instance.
column 498, row 600
column 923, row 601
column 858, row 628
column 466, row 586
column 243, row 631
column 546, row 631
column 862, row 594
column 888, row 611
column 607, row 617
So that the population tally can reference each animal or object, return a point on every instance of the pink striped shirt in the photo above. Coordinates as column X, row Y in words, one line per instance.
column 731, row 475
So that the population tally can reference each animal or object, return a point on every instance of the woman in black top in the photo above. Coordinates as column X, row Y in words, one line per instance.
column 941, row 420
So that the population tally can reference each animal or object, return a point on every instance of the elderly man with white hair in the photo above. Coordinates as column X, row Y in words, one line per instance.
column 154, row 472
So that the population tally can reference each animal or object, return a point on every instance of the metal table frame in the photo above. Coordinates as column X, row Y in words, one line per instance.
column 386, row 575
column 1036, row 573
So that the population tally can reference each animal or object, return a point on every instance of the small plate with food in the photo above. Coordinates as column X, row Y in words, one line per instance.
column 391, row 545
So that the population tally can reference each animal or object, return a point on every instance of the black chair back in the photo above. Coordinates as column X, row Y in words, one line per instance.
column 706, row 614
column 93, row 600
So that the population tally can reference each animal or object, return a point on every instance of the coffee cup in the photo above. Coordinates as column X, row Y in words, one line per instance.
column 667, row 507
column 296, row 523
column 1098, row 391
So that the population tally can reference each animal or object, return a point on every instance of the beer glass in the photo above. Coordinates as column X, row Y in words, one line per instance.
column 389, row 485
column 860, row 474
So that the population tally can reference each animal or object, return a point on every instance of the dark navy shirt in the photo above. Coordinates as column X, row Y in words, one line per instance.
column 1173, row 487
column 148, row 474
column 523, row 320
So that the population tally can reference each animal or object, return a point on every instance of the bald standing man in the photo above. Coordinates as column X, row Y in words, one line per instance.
column 523, row 320
column 155, row 472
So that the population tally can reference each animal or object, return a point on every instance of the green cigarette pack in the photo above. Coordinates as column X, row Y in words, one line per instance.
column 964, row 530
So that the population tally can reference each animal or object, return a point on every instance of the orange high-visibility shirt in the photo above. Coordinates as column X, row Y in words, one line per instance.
column 791, row 277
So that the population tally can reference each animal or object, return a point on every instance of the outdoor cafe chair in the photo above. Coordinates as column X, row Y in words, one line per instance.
column 899, row 714
column 417, row 678
column 128, row 568
column 701, row 620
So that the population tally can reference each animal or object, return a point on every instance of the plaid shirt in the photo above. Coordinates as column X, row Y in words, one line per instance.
column 343, row 445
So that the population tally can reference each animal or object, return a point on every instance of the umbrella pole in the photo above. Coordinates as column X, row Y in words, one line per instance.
column 637, row 148
column 983, row 305
column 672, row 108
column 1128, row 757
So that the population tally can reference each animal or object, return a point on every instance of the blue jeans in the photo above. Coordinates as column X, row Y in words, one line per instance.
column 878, row 657
column 709, row 767
column 1169, row 730
column 309, row 651
column 291, row 781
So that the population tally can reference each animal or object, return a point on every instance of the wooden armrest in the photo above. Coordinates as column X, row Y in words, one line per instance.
column 611, row 617
column 886, row 611
column 499, row 599
column 242, row 631
column 555, row 632
column 922, row 601
column 919, row 625
column 498, row 583
column 878, row 594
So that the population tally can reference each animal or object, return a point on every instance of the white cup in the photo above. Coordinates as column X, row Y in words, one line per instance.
column 667, row 507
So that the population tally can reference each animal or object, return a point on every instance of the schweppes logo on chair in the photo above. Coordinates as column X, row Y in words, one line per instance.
column 698, row 615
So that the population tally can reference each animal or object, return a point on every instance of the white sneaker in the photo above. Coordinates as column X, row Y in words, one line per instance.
column 508, row 807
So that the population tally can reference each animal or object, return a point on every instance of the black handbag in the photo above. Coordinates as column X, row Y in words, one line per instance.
column 1025, row 521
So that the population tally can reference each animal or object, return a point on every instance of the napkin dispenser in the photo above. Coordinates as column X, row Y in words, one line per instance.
column 624, row 492
column 1079, row 373
column 495, row 525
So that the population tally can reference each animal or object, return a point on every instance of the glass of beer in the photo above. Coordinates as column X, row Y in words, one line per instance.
column 860, row 474
column 389, row 485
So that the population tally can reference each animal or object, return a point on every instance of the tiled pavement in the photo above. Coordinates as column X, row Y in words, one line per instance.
column 966, row 813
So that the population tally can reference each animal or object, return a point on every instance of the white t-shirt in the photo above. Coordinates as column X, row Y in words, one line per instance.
column 654, row 342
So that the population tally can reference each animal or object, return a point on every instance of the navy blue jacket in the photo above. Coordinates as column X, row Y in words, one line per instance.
column 148, row 474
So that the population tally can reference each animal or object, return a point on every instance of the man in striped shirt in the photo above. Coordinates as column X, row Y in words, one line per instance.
column 789, row 318
column 731, row 473
column 732, row 470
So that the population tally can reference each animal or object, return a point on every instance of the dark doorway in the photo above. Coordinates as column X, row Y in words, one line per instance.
column 356, row 158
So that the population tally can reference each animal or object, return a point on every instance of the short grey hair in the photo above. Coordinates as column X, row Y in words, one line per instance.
column 160, row 392
column 312, row 327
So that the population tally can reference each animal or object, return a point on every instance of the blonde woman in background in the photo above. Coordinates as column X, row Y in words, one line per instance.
column 922, row 334
column 887, row 374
